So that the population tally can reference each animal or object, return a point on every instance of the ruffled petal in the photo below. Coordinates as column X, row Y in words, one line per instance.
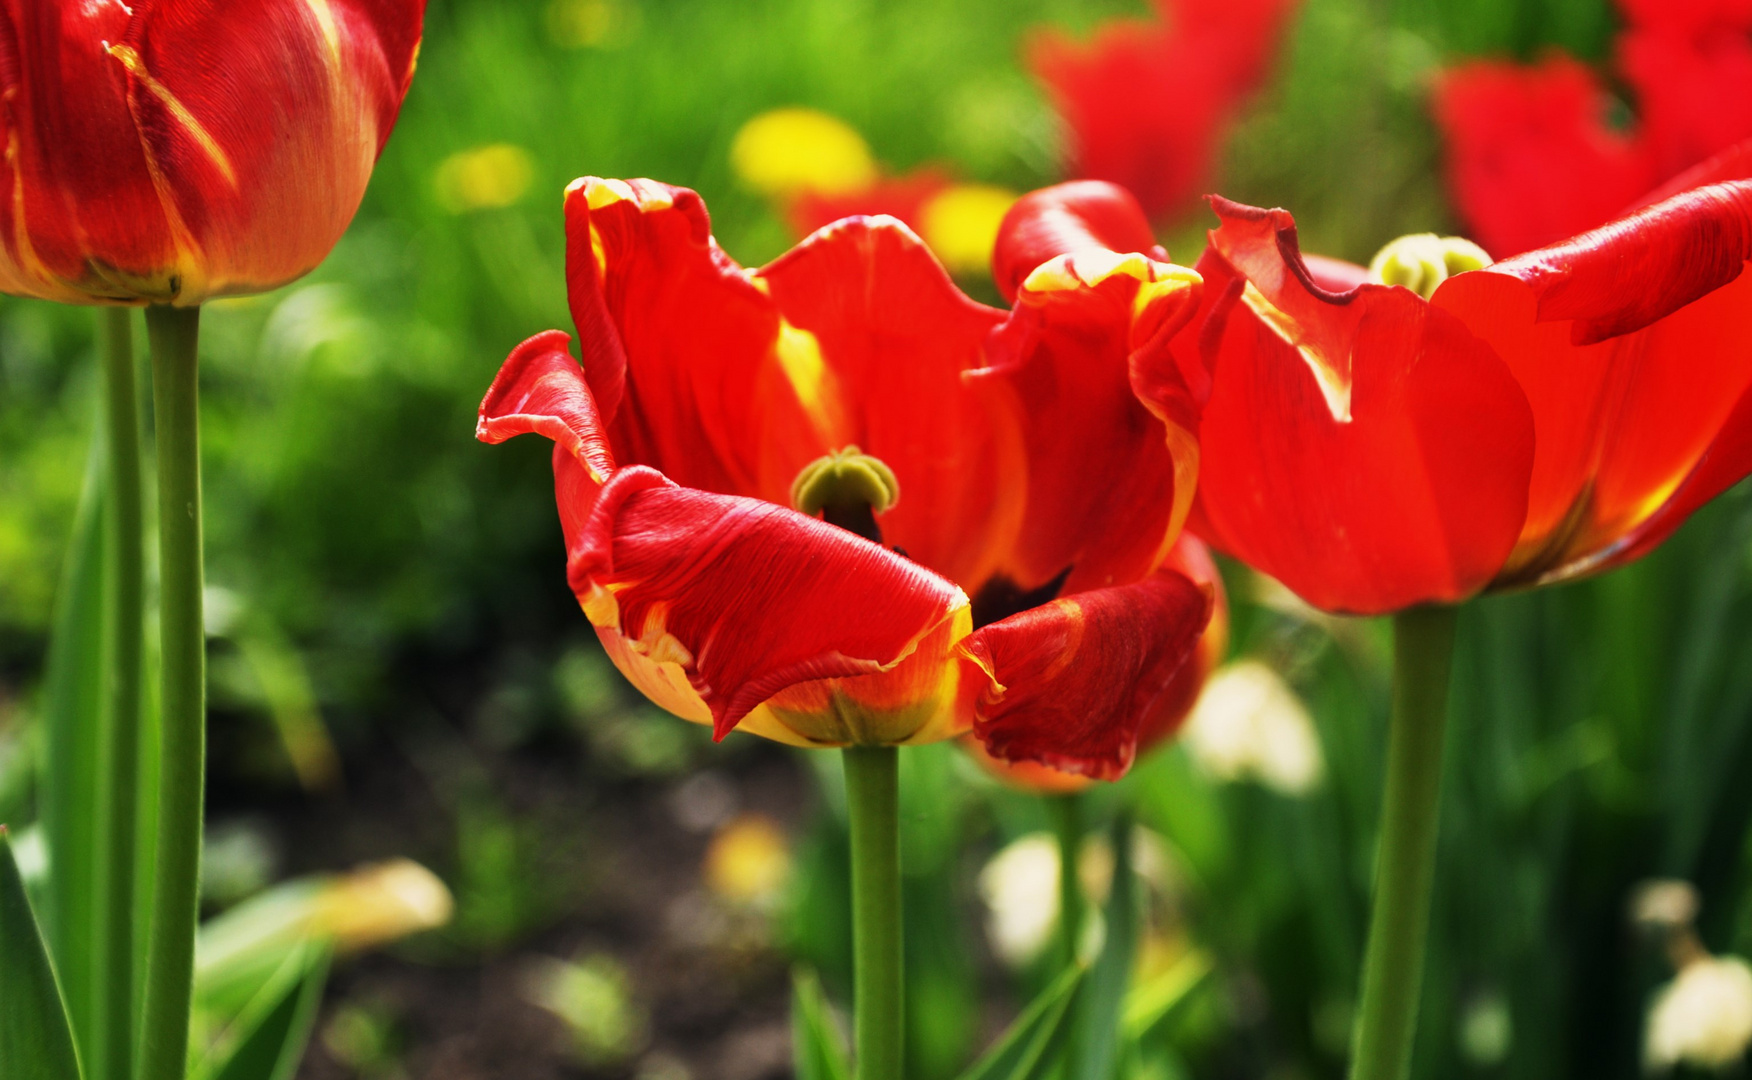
column 1362, row 447
column 1531, row 157
column 1109, row 479
column 694, row 370
column 1068, row 684
column 1055, row 221
column 714, row 605
column 541, row 390
column 1634, row 347
column 729, row 610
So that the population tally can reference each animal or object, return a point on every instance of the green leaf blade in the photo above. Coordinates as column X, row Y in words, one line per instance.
column 1026, row 1050
column 73, row 706
column 267, row 1040
column 36, row 1042
column 817, row 1046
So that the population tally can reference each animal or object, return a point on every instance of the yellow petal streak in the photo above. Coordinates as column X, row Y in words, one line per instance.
column 799, row 356
column 178, row 111
column 1332, row 373
column 331, row 36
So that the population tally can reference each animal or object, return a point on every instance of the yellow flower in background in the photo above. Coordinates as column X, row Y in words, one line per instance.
column 786, row 152
column 961, row 223
column 484, row 177
column 748, row 861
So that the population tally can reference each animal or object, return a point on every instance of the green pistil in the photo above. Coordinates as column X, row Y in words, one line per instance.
column 1422, row 261
column 847, row 488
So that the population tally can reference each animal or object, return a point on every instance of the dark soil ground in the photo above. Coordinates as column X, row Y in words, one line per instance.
column 548, row 858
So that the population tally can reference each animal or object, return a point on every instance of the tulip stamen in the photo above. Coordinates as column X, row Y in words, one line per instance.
column 847, row 488
column 1422, row 261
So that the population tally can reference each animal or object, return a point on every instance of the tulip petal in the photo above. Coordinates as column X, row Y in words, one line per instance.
column 541, row 390
column 894, row 339
column 1057, row 220
column 697, row 369
column 1361, row 447
column 1068, row 684
column 714, row 604
column 79, row 206
column 1109, row 478
column 1193, row 560
column 1633, row 345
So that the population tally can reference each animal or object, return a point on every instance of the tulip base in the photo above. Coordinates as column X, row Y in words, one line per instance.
column 182, row 776
column 872, row 805
column 1423, row 640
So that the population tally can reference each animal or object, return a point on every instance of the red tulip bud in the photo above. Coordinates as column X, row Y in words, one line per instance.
column 171, row 151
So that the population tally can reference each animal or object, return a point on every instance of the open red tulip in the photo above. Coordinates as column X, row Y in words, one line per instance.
column 170, row 151
column 1553, row 415
column 1030, row 478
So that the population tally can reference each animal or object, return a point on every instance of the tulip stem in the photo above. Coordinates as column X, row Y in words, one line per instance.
column 111, row 1037
column 182, row 776
column 1423, row 648
column 1067, row 819
column 872, row 803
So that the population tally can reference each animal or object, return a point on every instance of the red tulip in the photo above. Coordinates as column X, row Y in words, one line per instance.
column 175, row 150
column 1553, row 415
column 1147, row 102
column 1030, row 478
column 1534, row 153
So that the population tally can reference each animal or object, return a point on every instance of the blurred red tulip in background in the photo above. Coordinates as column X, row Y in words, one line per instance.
column 1146, row 103
column 1533, row 153
column 175, row 150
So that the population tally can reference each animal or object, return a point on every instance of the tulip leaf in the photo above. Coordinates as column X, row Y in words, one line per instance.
column 267, row 1040
column 817, row 1044
column 73, row 706
column 1100, row 1008
column 36, row 1042
column 1150, row 1003
column 1028, row 1048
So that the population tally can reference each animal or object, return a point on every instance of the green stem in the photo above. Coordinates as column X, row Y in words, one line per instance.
column 118, row 752
column 176, row 891
column 1067, row 815
column 872, row 802
column 1405, row 864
